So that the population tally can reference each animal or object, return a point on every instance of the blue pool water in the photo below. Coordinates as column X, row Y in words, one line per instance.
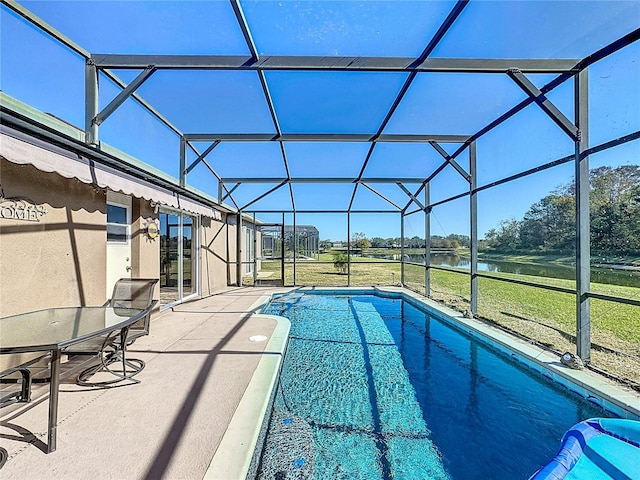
column 375, row 388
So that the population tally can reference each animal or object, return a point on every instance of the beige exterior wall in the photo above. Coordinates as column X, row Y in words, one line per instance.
column 213, row 248
column 233, row 253
column 232, row 242
column 59, row 260
column 145, row 251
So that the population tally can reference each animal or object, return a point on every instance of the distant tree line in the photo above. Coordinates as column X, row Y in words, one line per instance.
column 549, row 226
column 360, row 240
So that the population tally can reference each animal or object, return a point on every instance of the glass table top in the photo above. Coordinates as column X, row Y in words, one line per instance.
column 59, row 327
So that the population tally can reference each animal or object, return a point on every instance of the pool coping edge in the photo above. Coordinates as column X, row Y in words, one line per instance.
column 232, row 458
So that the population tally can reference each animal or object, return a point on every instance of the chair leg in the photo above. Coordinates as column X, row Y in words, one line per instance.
column 24, row 396
column 130, row 368
column 4, row 455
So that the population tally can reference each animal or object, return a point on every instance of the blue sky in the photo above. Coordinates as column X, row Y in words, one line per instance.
column 37, row 71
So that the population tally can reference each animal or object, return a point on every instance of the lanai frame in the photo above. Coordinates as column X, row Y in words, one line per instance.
column 516, row 69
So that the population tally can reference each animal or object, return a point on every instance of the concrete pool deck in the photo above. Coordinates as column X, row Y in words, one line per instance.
column 200, row 366
column 197, row 412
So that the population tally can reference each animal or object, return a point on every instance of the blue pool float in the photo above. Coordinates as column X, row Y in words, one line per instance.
column 598, row 448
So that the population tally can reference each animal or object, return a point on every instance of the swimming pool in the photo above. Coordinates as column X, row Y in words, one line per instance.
column 377, row 388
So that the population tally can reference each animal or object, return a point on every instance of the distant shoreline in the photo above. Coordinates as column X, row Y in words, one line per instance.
column 630, row 263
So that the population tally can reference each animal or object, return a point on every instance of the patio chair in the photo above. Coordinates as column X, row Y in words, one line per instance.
column 135, row 293
column 17, row 375
column 111, row 348
column 21, row 395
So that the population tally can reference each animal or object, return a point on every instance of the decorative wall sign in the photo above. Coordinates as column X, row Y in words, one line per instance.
column 153, row 229
column 20, row 209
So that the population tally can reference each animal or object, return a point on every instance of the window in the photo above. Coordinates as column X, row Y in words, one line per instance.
column 117, row 223
column 249, row 249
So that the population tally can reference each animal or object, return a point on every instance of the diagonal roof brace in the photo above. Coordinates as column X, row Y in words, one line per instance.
column 270, row 191
column 242, row 22
column 202, row 156
column 433, row 43
column 123, row 95
column 422, row 187
column 411, row 196
column 244, row 26
column 545, row 104
column 229, row 192
column 380, row 195
column 451, row 161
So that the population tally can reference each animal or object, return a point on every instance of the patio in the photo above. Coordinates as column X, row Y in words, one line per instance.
column 225, row 131
column 199, row 363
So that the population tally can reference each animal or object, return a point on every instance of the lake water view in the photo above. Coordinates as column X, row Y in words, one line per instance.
column 611, row 276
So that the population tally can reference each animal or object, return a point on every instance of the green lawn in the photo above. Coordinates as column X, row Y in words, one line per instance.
column 549, row 317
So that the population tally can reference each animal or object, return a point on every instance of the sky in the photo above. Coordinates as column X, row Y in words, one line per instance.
column 47, row 76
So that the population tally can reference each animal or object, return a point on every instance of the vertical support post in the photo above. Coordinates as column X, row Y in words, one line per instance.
column 180, row 256
column 183, row 162
column 239, row 250
column 295, row 247
column 282, row 245
column 219, row 192
column 348, row 249
column 402, row 248
column 583, row 228
column 427, row 241
column 255, row 251
column 473, row 218
column 90, row 102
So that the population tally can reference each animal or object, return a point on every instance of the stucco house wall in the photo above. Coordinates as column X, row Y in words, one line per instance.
column 145, row 251
column 58, row 260
column 213, row 255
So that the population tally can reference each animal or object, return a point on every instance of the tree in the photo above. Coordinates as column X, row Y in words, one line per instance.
column 340, row 262
column 615, row 209
column 378, row 242
column 550, row 224
column 506, row 237
column 463, row 240
column 359, row 240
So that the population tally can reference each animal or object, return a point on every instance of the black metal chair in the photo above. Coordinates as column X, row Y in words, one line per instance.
column 111, row 349
column 18, row 373
column 23, row 395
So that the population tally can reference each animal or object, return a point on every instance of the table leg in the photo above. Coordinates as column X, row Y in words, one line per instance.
column 54, row 387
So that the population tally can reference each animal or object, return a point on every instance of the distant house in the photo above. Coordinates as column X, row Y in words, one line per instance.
column 306, row 240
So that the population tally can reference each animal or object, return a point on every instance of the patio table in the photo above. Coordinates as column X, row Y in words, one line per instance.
column 54, row 329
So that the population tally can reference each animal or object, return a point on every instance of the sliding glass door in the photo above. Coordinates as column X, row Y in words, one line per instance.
column 178, row 256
